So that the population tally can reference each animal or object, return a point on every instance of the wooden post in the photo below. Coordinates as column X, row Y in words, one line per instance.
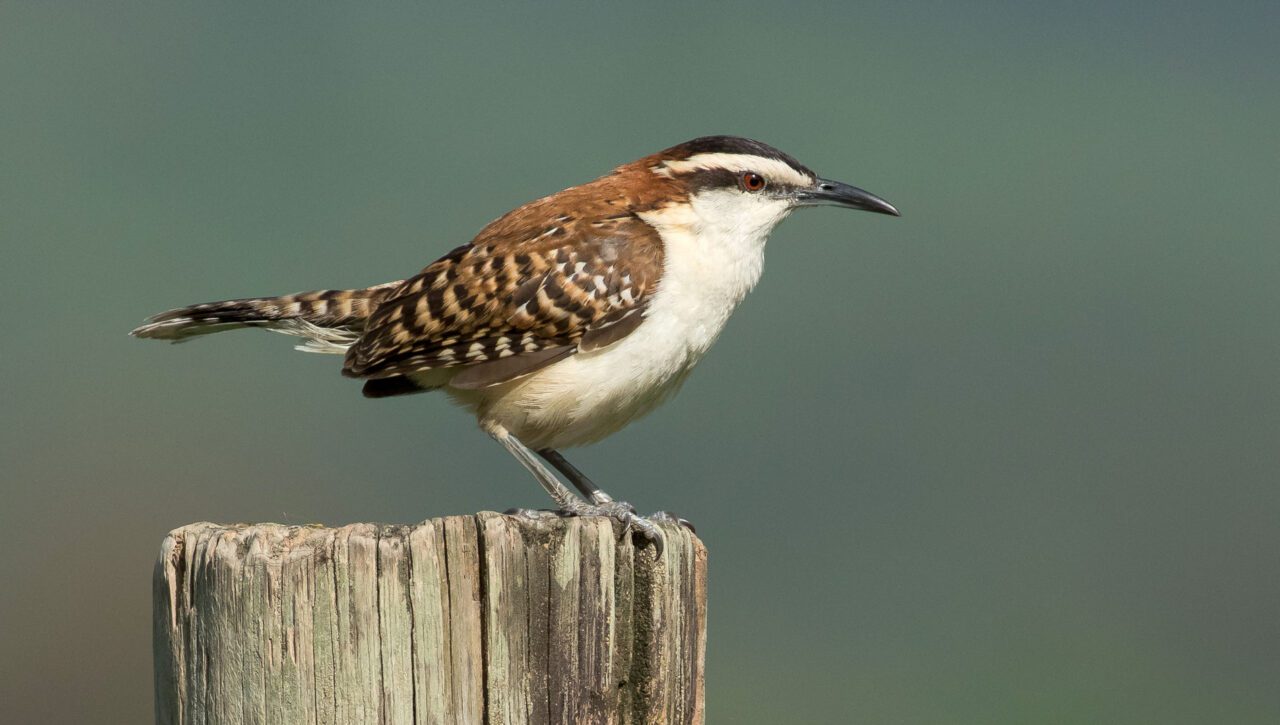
column 465, row 619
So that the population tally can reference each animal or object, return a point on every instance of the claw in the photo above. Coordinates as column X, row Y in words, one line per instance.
column 625, row 513
column 632, row 523
column 668, row 516
column 647, row 529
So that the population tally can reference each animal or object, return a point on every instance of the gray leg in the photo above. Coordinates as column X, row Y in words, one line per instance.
column 593, row 492
column 564, row 498
column 576, row 477
column 558, row 492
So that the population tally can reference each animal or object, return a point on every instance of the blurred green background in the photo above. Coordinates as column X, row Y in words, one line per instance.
column 1021, row 467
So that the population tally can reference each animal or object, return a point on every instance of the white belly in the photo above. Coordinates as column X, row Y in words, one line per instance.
column 588, row 396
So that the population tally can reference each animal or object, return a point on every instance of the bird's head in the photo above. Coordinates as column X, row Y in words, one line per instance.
column 738, row 182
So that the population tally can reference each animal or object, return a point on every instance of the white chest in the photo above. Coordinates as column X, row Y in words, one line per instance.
column 706, row 272
column 713, row 255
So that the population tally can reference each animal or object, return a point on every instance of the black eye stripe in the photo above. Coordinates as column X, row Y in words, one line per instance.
column 721, row 178
column 702, row 179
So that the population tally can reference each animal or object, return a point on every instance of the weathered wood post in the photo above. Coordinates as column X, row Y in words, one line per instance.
column 465, row 619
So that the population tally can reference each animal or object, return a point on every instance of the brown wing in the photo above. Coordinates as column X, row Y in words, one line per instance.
column 521, row 296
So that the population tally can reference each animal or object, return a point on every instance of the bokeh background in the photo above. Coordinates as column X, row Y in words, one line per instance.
column 1011, row 458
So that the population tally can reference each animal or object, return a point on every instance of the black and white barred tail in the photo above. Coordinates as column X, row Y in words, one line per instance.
column 328, row 320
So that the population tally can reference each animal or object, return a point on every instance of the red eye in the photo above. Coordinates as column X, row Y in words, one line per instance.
column 751, row 181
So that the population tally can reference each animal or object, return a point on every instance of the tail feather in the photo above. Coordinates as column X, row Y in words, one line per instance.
column 328, row 320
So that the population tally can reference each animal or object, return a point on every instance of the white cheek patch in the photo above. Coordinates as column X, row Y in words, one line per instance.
column 772, row 169
column 748, row 214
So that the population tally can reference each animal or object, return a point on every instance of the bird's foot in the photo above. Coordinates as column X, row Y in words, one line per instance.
column 624, row 512
column 617, row 510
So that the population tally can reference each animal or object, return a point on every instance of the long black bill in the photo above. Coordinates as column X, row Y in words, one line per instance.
column 835, row 193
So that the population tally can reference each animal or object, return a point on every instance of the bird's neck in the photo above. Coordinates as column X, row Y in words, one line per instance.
column 710, row 267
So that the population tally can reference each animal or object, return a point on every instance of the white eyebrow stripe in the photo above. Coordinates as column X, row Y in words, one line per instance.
column 771, row 168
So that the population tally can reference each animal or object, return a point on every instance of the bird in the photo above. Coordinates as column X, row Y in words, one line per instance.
column 566, row 318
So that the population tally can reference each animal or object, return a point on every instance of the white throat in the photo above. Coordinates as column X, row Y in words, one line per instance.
column 714, row 255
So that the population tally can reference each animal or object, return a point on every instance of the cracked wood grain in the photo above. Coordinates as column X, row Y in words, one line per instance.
column 464, row 619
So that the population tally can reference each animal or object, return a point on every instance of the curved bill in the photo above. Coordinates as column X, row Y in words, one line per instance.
column 834, row 193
